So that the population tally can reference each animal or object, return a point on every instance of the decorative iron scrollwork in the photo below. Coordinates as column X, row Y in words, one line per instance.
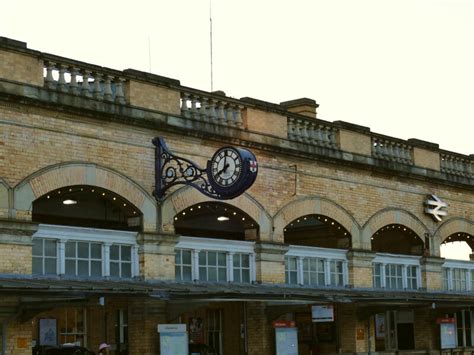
column 171, row 170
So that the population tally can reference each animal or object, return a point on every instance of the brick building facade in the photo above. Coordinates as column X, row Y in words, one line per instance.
column 336, row 218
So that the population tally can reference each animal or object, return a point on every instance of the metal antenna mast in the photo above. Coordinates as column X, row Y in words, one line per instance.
column 210, row 33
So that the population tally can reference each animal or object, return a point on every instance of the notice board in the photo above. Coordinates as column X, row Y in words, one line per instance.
column 173, row 339
column 286, row 341
column 448, row 335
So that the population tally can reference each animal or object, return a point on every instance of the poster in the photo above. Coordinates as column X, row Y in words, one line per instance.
column 196, row 331
column 286, row 341
column 322, row 313
column 380, row 325
column 173, row 339
column 47, row 332
column 448, row 335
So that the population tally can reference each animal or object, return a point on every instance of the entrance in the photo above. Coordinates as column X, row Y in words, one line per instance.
column 395, row 330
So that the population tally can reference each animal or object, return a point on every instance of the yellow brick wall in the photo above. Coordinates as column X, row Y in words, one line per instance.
column 19, row 334
column 19, row 67
column 15, row 259
column 152, row 97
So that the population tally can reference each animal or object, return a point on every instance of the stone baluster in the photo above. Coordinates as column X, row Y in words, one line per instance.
column 194, row 109
column 220, row 113
column 333, row 137
column 304, row 131
column 119, row 95
column 291, row 128
column 73, row 88
column 408, row 156
column 324, row 135
column 62, row 79
column 203, row 110
column 311, row 133
column 458, row 166
column 108, row 94
column 49, row 80
column 238, row 115
column 212, row 110
column 184, row 104
column 85, row 89
column 396, row 152
column 97, row 88
column 229, row 115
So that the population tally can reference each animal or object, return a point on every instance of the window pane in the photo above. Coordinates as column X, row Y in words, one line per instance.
column 114, row 269
column 202, row 258
column 187, row 276
column 237, row 275
column 83, row 268
column 202, row 274
column 50, row 248
column 37, row 265
column 246, row 276
column 96, row 268
column 83, row 250
column 50, row 266
column 37, row 247
column 126, row 270
column 177, row 259
column 96, row 252
column 212, row 274
column 70, row 267
column 126, row 253
column 221, row 259
column 114, row 252
column 222, row 274
column 70, row 249
column 245, row 260
column 211, row 258
column 187, row 257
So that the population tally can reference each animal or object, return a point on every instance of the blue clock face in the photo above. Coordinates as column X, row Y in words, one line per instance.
column 231, row 171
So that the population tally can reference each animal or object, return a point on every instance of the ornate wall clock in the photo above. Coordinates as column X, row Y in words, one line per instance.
column 228, row 173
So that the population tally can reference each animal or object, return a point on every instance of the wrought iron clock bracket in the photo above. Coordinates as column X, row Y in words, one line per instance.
column 171, row 170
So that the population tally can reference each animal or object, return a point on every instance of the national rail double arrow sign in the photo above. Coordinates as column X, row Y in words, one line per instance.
column 434, row 207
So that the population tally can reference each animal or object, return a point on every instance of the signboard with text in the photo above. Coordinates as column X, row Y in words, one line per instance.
column 322, row 313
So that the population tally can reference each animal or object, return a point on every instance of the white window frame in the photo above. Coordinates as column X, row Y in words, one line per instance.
column 105, row 237
column 230, row 247
column 400, row 260
column 467, row 266
column 326, row 254
column 43, row 256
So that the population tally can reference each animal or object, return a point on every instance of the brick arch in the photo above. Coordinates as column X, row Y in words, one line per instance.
column 4, row 200
column 315, row 205
column 188, row 196
column 391, row 216
column 62, row 175
column 451, row 226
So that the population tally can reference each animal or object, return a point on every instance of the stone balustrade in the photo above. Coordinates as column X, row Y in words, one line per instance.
column 453, row 164
column 212, row 109
column 311, row 132
column 392, row 150
column 89, row 82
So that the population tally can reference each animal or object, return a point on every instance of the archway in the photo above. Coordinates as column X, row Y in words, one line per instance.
column 397, row 239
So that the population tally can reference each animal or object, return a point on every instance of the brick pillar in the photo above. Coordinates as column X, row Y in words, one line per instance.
column 16, row 246
column 354, row 332
column 144, row 316
column 270, row 262
column 157, row 255
column 260, row 340
column 425, row 330
column 431, row 273
column 19, row 336
column 360, row 268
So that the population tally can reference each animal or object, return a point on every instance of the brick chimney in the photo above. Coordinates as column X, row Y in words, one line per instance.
column 304, row 106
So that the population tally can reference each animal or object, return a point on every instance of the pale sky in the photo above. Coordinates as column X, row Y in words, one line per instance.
column 401, row 67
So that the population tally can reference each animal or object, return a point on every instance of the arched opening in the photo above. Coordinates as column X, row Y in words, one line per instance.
column 215, row 220
column 317, row 231
column 457, row 246
column 87, row 206
column 397, row 239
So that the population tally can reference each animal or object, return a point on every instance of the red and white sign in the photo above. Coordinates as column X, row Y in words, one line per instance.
column 445, row 320
column 283, row 324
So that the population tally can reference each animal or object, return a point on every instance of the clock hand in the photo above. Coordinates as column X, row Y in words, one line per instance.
column 223, row 169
